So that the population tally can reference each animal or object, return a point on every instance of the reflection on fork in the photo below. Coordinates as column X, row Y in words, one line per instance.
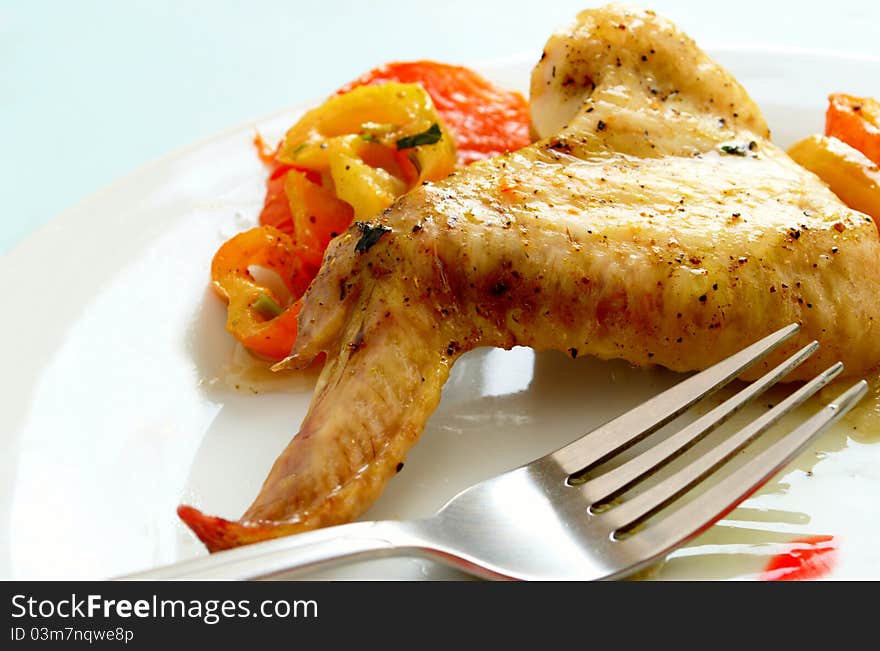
column 563, row 516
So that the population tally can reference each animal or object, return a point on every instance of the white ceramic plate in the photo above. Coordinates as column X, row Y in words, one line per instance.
column 119, row 396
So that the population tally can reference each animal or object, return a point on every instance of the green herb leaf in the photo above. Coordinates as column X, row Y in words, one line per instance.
column 267, row 306
column 428, row 137
column 734, row 150
column 370, row 234
column 369, row 137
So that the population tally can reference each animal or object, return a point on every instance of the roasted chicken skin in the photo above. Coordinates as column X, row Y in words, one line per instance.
column 653, row 222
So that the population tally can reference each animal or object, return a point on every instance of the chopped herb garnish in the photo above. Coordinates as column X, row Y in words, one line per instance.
column 427, row 137
column 267, row 306
column 369, row 137
column 370, row 234
column 298, row 149
column 735, row 150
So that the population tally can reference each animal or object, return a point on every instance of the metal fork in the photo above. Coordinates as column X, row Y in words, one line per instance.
column 548, row 520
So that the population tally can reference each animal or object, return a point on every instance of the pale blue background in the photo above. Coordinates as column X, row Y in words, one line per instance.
column 91, row 90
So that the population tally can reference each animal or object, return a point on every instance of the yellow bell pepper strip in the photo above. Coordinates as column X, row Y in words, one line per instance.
column 262, row 321
column 351, row 139
column 847, row 171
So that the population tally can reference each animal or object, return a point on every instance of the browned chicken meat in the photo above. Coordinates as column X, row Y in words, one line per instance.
column 653, row 222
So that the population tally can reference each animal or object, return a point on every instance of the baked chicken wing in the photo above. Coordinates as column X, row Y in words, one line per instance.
column 653, row 221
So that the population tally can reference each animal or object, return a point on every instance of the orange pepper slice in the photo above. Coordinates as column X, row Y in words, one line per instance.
column 855, row 121
column 317, row 214
column 270, row 337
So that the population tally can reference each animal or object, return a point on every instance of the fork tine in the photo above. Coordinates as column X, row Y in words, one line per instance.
column 698, row 515
column 629, row 428
column 644, row 505
column 615, row 481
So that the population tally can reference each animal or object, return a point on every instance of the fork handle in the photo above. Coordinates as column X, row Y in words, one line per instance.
column 299, row 552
